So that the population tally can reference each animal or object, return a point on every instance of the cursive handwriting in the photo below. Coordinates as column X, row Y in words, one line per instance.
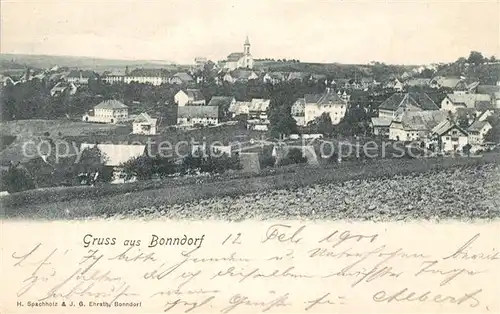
column 264, row 306
column 463, row 253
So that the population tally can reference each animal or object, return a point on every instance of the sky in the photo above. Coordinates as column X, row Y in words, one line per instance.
column 397, row 32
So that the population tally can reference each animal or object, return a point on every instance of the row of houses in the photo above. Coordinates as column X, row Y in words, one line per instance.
column 177, row 78
column 416, row 117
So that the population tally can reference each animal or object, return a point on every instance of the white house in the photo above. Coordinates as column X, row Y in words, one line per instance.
column 61, row 87
column 240, row 107
column 328, row 102
column 238, row 60
column 298, row 111
column 452, row 102
column 477, row 131
column 450, row 137
column 197, row 115
column 189, row 97
column 153, row 80
column 81, row 77
column 240, row 76
column 144, row 124
column 414, row 125
column 181, row 78
column 108, row 111
column 114, row 156
column 258, row 108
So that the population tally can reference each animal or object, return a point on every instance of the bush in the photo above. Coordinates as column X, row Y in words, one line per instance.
column 295, row 155
column 16, row 179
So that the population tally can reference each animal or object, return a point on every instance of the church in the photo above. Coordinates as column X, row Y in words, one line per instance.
column 237, row 60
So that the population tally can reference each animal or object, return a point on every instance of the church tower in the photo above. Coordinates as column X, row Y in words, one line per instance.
column 246, row 46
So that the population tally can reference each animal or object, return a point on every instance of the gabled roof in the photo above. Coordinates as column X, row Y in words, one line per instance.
column 235, row 56
column 145, row 118
column 198, row 112
column 194, row 94
column 240, row 105
column 477, row 126
column 326, row 98
column 444, row 126
column 219, row 101
column 83, row 73
column 259, row 104
column 299, row 104
column 488, row 89
column 470, row 100
column 420, row 120
column 183, row 76
column 110, row 104
column 115, row 155
column 398, row 100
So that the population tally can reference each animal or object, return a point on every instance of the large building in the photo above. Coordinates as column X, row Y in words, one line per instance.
column 109, row 111
column 238, row 60
column 328, row 102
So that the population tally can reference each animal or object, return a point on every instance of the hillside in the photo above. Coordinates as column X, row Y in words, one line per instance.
column 15, row 61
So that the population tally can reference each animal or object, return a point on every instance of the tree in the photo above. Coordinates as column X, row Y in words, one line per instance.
column 280, row 116
column 493, row 59
column 493, row 135
column 140, row 167
column 323, row 124
column 16, row 179
column 476, row 58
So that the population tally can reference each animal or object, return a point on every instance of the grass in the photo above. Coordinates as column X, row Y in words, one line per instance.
column 78, row 202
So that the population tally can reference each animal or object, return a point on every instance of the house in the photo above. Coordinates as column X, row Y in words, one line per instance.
column 197, row 115
column 492, row 90
column 317, row 78
column 477, row 131
column 181, row 78
column 273, row 77
column 114, row 156
column 108, row 111
column 380, row 126
column 327, row 102
column 153, row 80
column 298, row 111
column 417, row 82
column 298, row 76
column 61, row 87
column 414, row 125
column 222, row 102
column 258, row 108
column 449, row 82
column 81, row 76
column 477, row 101
column 240, row 107
column 240, row 76
column 411, row 101
column 237, row 60
column 191, row 97
column 485, row 114
column 394, row 84
column 144, row 124
column 448, row 137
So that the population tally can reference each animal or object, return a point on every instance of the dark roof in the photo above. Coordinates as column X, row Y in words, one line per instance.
column 219, row 101
column 487, row 89
column 446, row 125
column 398, row 100
column 235, row 56
column 420, row 120
column 241, row 74
column 183, row 76
column 195, row 94
column 198, row 112
column 324, row 99
column 477, row 126
column 84, row 74
column 110, row 104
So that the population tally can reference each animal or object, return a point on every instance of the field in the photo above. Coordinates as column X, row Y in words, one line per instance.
column 36, row 130
column 468, row 184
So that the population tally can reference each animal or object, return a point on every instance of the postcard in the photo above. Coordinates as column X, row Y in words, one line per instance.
column 250, row 157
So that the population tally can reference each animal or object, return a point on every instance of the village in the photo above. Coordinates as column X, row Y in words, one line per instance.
column 258, row 117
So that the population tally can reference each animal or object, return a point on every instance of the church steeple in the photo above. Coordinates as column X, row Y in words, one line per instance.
column 246, row 46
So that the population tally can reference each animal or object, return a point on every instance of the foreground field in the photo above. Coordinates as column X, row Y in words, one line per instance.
column 469, row 192
column 396, row 189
